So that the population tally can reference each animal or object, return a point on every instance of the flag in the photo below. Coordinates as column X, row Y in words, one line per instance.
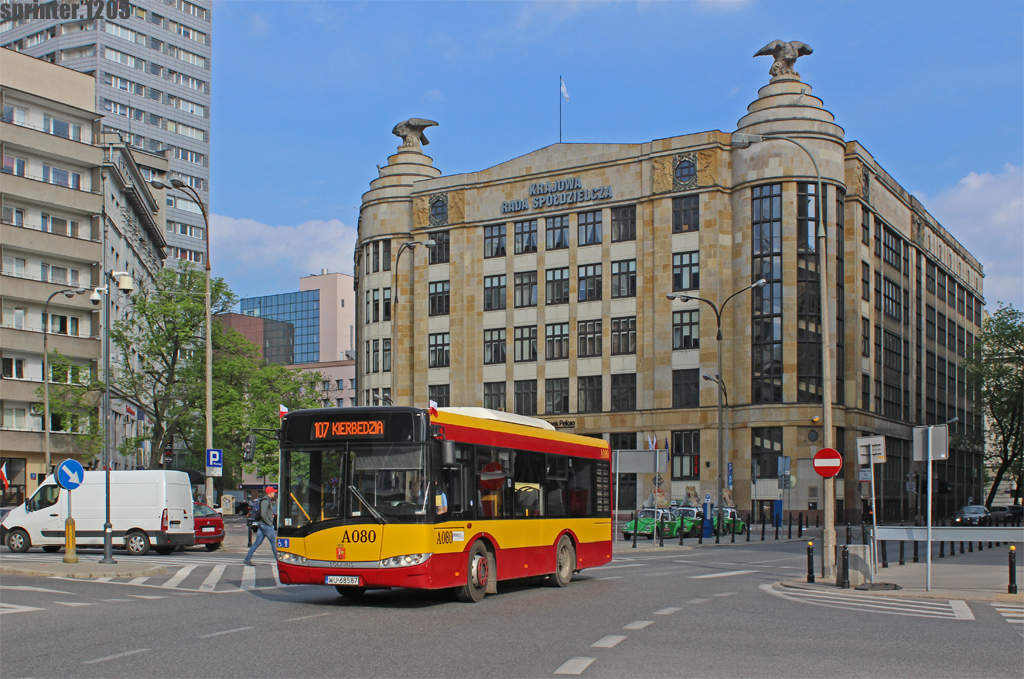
column 433, row 407
column 651, row 444
column 3, row 476
column 142, row 416
column 281, row 411
column 565, row 93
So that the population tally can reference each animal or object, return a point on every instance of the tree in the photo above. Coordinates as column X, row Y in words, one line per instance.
column 996, row 373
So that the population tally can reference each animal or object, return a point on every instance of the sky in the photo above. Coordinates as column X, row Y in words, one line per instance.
column 305, row 95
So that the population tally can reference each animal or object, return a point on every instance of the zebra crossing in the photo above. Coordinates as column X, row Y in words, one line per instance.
column 1013, row 614
column 943, row 609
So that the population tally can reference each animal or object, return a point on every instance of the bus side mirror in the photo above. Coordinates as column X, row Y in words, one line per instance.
column 447, row 453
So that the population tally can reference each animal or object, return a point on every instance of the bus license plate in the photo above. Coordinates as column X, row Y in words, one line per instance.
column 342, row 579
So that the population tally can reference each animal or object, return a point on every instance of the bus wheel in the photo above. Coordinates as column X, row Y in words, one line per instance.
column 565, row 562
column 350, row 592
column 477, row 576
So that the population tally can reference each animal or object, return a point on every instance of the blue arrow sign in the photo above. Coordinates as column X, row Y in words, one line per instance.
column 70, row 474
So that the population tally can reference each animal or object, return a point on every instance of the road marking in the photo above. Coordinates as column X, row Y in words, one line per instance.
column 103, row 579
column 613, row 577
column 115, row 601
column 719, row 575
column 610, row 641
column 71, row 603
column 765, row 563
column 638, row 624
column 227, row 631
column 1012, row 614
column 961, row 611
column 182, row 573
column 29, row 588
column 115, row 657
column 575, row 665
column 724, row 594
column 212, row 579
column 14, row 608
column 136, row 581
column 667, row 611
column 248, row 577
column 694, row 602
column 866, row 603
column 143, row 596
column 307, row 617
column 624, row 565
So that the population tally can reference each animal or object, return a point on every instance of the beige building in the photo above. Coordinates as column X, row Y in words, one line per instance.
column 62, row 184
column 543, row 291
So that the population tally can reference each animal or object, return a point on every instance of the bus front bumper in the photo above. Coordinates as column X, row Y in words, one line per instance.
column 437, row 572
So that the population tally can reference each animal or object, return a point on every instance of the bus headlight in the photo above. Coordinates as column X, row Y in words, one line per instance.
column 288, row 557
column 405, row 560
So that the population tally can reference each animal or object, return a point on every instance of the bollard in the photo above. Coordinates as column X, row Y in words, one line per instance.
column 970, row 547
column 844, row 582
column 885, row 558
column 718, row 527
column 70, row 555
column 810, row 561
column 634, row 528
column 915, row 551
column 981, row 547
column 248, row 529
column 952, row 548
column 816, row 521
column 732, row 534
column 700, row 535
column 661, row 530
column 1012, row 587
column 762, row 528
column 777, row 523
column 942, row 547
column 903, row 562
column 849, row 534
column 748, row 527
column 790, row 535
column 800, row 526
column 682, row 532
column 863, row 534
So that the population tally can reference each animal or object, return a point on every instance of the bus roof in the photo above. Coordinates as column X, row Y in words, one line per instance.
column 499, row 415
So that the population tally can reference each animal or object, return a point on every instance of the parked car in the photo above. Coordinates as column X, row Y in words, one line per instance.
column 209, row 526
column 731, row 521
column 999, row 513
column 1016, row 512
column 242, row 507
column 3, row 531
column 689, row 520
column 972, row 515
column 647, row 524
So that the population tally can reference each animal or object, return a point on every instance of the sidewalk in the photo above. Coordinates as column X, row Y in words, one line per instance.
column 87, row 568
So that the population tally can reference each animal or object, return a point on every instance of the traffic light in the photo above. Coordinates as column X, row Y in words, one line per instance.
column 249, row 448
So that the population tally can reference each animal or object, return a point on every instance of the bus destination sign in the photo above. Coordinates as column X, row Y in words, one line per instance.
column 332, row 430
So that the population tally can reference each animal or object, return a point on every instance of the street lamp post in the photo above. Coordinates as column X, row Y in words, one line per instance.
column 829, row 533
column 407, row 245
column 182, row 186
column 69, row 293
column 720, row 381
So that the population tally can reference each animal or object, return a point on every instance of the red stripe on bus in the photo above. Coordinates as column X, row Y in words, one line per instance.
column 534, row 442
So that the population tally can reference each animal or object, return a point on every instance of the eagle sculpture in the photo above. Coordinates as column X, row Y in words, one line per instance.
column 785, row 54
column 411, row 132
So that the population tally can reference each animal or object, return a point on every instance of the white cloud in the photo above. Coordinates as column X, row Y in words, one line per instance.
column 985, row 212
column 258, row 259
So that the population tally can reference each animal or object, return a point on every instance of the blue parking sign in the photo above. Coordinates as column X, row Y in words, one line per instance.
column 214, row 457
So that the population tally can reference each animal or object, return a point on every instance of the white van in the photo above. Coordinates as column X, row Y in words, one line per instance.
column 147, row 508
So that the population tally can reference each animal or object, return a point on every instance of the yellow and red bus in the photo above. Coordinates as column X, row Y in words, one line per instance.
column 461, row 498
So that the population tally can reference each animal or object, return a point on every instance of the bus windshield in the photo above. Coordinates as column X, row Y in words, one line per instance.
column 389, row 480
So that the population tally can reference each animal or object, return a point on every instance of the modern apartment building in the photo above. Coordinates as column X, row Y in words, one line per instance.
column 152, row 71
column 540, row 286
column 68, row 195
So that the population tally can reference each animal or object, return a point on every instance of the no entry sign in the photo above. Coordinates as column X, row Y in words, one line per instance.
column 828, row 462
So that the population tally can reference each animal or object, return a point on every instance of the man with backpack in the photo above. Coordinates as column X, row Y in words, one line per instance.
column 261, row 515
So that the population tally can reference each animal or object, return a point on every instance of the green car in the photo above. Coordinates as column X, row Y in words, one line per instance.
column 732, row 521
column 648, row 524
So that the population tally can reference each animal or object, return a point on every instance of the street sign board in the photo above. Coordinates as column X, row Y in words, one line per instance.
column 827, row 462
column 214, row 462
column 870, row 450
column 70, row 474
column 730, row 474
column 864, row 474
column 940, row 442
column 707, row 498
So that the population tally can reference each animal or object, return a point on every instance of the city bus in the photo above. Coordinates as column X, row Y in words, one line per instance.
column 459, row 498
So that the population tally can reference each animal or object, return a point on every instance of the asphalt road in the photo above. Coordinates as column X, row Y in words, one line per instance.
column 713, row 611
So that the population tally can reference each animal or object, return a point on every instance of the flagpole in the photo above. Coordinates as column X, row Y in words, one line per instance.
column 559, row 109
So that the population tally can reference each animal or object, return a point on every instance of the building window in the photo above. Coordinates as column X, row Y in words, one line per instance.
column 624, row 392
column 376, row 356
column 878, row 290
column 440, row 252
column 686, row 388
column 865, row 227
column 525, row 343
column 14, row 368
column 385, row 355
column 525, row 395
column 624, row 335
column 439, row 345
column 439, row 209
column 809, row 367
column 526, row 236
column 865, row 281
column 494, row 292
column 556, row 286
column 940, row 278
column 556, row 337
column 765, row 451
column 494, row 346
column 684, row 171
column 375, row 258
column 438, row 298
column 892, row 250
column 624, row 278
column 589, row 282
column 685, row 271
column 589, row 224
column 385, row 310
column 624, row 223
column 369, row 306
column 494, row 395
column 766, row 305
column 929, row 283
column 685, row 213
column 556, row 396
column 588, row 394
column 589, row 334
column 524, row 292
column 865, row 336
column 891, row 296
column 494, row 241
column 557, row 229
column 15, row 166
column 385, row 255
column 685, row 455
column 439, row 394
column 686, row 329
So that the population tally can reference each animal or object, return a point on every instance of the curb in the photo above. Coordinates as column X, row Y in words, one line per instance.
column 947, row 594
column 78, row 572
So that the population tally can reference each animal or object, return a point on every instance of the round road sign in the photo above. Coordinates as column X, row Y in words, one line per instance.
column 70, row 474
column 828, row 462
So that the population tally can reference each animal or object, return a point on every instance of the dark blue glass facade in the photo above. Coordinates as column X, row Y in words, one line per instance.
column 302, row 311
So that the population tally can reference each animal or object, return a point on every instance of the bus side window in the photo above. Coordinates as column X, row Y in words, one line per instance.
column 556, row 486
column 580, row 501
column 529, row 480
column 493, row 469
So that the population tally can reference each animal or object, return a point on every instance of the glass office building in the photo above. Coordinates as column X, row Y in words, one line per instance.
column 299, row 309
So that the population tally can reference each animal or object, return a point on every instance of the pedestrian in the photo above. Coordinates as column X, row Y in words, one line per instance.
column 264, row 524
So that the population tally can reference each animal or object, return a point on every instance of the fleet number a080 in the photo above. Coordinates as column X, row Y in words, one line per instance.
column 447, row 537
column 359, row 535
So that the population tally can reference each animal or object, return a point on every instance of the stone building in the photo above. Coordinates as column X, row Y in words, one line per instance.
column 539, row 286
